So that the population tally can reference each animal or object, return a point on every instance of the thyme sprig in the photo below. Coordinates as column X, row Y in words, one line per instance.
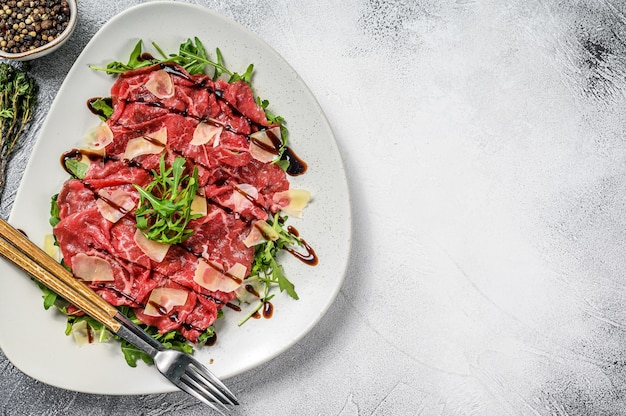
column 18, row 97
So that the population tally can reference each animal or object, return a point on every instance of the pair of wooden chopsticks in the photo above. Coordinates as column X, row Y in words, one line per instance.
column 19, row 250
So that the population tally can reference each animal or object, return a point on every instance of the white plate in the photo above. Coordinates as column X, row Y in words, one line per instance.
column 33, row 339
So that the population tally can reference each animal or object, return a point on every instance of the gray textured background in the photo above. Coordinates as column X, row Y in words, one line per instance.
column 485, row 148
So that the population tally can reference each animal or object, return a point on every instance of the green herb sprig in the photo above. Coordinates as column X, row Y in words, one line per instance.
column 136, row 60
column 191, row 55
column 266, row 267
column 164, row 208
column 18, row 97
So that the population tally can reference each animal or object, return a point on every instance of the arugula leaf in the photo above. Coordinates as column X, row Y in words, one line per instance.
column 246, row 76
column 193, row 66
column 136, row 60
column 76, row 168
column 272, row 118
column 54, row 211
column 133, row 354
column 193, row 57
column 283, row 283
column 219, row 68
column 208, row 334
column 266, row 267
column 50, row 298
column 265, row 258
column 102, row 108
column 164, row 208
column 283, row 164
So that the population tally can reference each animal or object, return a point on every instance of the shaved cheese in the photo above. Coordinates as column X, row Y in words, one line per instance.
column 113, row 205
column 98, row 137
column 83, row 333
column 92, row 268
column 248, row 189
column 206, row 134
column 242, row 195
column 251, row 291
column 260, row 232
column 50, row 247
column 199, row 205
column 163, row 299
column 211, row 276
column 262, row 146
column 151, row 144
column 293, row 201
column 153, row 249
column 160, row 84
column 238, row 271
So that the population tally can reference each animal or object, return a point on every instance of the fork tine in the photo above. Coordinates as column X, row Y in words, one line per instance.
column 203, row 388
column 189, row 386
column 205, row 377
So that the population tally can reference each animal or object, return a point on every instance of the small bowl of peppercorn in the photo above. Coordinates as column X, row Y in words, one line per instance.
column 30, row 29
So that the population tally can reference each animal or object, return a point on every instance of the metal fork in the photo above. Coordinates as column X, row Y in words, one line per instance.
column 181, row 369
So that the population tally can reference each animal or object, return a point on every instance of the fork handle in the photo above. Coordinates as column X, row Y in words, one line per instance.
column 29, row 257
column 137, row 336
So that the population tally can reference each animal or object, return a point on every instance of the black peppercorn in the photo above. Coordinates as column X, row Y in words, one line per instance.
column 25, row 25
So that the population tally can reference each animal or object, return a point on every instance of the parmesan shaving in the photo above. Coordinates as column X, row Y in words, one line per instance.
column 261, row 141
column 206, row 134
column 293, row 201
column 92, row 268
column 160, row 84
column 163, row 299
column 152, row 144
column 260, row 232
column 153, row 249
column 210, row 277
column 99, row 137
column 114, row 205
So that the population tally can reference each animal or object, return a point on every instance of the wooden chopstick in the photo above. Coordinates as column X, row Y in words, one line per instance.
column 19, row 250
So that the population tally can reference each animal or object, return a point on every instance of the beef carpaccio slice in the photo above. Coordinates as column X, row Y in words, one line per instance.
column 160, row 110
